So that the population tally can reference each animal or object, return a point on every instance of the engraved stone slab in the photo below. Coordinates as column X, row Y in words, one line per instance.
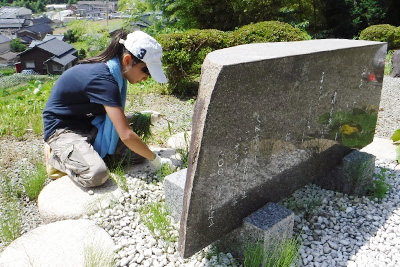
column 270, row 118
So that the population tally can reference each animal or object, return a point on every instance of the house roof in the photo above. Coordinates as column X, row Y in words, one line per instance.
column 47, row 38
column 38, row 28
column 63, row 60
column 8, row 55
column 41, row 20
column 4, row 39
column 11, row 21
column 12, row 12
column 56, row 47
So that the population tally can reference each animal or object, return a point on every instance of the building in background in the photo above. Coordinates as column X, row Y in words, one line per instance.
column 49, row 57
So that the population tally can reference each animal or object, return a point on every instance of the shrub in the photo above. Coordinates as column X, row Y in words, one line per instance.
column 382, row 33
column 185, row 52
column 268, row 31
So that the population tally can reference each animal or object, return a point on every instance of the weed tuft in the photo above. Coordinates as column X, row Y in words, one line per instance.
column 34, row 181
column 156, row 217
column 380, row 186
column 98, row 257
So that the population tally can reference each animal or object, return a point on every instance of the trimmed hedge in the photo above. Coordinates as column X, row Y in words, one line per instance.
column 185, row 52
column 382, row 33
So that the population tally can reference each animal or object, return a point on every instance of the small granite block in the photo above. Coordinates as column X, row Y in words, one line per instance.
column 174, row 185
column 352, row 176
column 268, row 226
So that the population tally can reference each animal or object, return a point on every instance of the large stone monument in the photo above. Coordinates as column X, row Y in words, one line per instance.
column 270, row 118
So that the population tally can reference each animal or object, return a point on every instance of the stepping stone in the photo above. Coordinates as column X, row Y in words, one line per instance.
column 64, row 243
column 381, row 148
column 63, row 199
column 177, row 141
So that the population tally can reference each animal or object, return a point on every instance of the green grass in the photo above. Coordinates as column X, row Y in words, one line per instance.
column 388, row 63
column 164, row 171
column 117, row 174
column 21, row 108
column 380, row 186
column 282, row 254
column 33, row 181
column 94, row 256
column 155, row 217
column 10, row 220
column 10, row 209
column 253, row 255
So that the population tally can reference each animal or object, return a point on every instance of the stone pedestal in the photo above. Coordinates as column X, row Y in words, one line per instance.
column 352, row 176
column 266, row 227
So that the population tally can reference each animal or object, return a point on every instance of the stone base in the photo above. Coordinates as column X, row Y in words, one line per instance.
column 174, row 186
column 352, row 176
column 267, row 228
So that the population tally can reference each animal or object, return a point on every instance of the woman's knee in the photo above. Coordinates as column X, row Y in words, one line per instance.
column 95, row 177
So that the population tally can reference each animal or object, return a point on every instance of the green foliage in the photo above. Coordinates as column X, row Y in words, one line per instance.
column 283, row 254
column 268, row 31
column 226, row 14
column 185, row 52
column 33, row 181
column 81, row 53
column 90, row 36
column 396, row 138
column 96, row 256
column 156, row 217
column 17, row 46
column 10, row 209
column 21, row 107
column 380, row 186
column 140, row 124
column 164, row 171
column 10, row 221
column 117, row 174
column 253, row 255
column 7, row 71
column 354, row 129
column 382, row 33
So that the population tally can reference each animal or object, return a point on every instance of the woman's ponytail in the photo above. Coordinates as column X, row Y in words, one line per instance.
column 115, row 49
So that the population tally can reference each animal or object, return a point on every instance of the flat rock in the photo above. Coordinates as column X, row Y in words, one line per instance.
column 65, row 243
column 180, row 140
column 63, row 199
column 381, row 148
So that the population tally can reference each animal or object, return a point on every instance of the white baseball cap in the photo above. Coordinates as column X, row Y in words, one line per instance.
column 148, row 50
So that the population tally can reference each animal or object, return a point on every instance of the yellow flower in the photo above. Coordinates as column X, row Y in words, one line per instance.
column 347, row 129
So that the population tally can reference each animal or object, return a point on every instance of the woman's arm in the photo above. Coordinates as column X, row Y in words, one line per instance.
column 127, row 136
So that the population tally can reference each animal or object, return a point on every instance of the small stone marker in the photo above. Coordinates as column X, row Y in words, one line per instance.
column 269, row 119
column 396, row 64
column 62, row 244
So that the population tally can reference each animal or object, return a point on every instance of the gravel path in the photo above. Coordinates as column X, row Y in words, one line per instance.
column 336, row 230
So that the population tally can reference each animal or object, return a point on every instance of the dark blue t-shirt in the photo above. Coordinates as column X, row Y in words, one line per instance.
column 78, row 96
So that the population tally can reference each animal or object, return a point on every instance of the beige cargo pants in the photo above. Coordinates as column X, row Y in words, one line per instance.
column 71, row 153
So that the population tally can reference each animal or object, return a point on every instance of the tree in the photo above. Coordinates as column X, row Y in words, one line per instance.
column 17, row 46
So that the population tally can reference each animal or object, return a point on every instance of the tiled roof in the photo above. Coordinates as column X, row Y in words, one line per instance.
column 39, row 28
column 12, row 21
column 64, row 60
column 55, row 46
